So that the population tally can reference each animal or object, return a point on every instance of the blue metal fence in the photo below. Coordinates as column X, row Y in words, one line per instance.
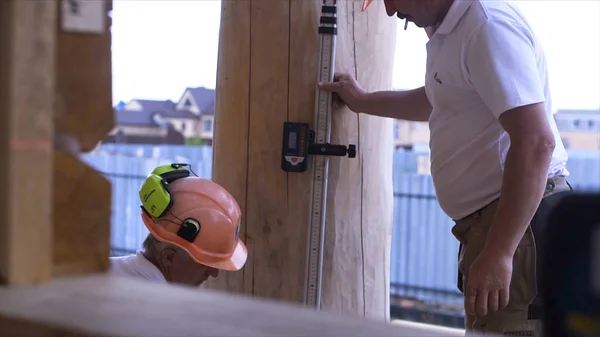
column 423, row 260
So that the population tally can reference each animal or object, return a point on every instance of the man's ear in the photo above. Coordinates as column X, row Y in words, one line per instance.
column 167, row 256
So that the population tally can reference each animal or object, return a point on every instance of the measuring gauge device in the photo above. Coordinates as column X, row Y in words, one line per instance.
column 299, row 143
column 294, row 152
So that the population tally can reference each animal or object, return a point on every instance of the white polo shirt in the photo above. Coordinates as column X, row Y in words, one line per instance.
column 136, row 266
column 482, row 60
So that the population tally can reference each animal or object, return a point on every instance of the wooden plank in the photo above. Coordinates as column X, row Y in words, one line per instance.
column 82, row 199
column 27, row 78
column 230, row 140
column 124, row 307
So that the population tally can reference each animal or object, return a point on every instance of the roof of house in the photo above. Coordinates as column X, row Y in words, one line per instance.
column 204, row 98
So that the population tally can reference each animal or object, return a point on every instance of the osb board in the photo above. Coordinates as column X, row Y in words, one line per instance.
column 126, row 307
column 27, row 78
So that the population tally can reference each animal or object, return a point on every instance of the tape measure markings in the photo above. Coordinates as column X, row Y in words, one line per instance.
column 327, row 36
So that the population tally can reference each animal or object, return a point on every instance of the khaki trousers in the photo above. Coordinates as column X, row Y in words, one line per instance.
column 521, row 317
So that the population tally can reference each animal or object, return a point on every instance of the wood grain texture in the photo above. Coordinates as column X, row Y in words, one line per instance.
column 281, row 85
column 84, row 84
column 231, row 128
column 27, row 79
column 301, row 108
column 266, row 202
column 125, row 307
column 82, row 215
column 82, row 196
column 374, row 51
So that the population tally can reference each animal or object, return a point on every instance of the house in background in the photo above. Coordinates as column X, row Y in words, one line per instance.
column 187, row 121
column 408, row 134
column 580, row 129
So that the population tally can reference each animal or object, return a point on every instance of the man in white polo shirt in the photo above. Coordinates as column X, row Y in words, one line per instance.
column 496, row 154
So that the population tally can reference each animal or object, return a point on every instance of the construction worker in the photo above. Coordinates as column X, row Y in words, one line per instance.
column 194, row 225
column 496, row 154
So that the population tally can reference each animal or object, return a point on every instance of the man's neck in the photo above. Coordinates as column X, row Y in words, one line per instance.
column 442, row 9
column 152, row 259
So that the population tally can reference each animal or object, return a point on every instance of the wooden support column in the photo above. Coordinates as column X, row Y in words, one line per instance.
column 55, row 101
column 82, row 196
column 27, row 78
column 267, row 74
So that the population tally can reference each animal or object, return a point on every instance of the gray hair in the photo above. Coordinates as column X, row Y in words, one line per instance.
column 153, row 246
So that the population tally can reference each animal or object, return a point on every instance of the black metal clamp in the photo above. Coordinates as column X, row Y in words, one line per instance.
column 299, row 142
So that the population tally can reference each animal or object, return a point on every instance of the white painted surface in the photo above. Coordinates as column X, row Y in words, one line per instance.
column 84, row 16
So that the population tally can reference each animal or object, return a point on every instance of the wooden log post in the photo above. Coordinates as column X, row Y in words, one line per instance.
column 27, row 83
column 267, row 74
column 55, row 101
column 82, row 196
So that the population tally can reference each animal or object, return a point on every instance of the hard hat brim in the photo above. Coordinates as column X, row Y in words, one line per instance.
column 235, row 262
column 232, row 263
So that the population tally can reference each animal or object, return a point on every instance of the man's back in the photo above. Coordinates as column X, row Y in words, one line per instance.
column 135, row 265
column 472, row 78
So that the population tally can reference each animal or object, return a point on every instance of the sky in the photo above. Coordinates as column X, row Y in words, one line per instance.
column 160, row 47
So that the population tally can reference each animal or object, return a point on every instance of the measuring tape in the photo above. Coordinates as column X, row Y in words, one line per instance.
column 299, row 141
column 314, row 273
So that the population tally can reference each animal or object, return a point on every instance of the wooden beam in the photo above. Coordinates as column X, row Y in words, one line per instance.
column 267, row 74
column 82, row 197
column 112, row 306
column 27, row 79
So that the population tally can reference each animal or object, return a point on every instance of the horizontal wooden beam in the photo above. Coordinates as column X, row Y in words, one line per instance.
column 111, row 306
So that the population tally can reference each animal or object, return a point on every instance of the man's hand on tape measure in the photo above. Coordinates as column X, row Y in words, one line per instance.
column 347, row 90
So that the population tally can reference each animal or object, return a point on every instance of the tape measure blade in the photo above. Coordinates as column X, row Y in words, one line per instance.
column 320, row 167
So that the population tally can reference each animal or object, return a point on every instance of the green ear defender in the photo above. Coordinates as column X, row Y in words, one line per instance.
column 157, row 199
column 155, row 194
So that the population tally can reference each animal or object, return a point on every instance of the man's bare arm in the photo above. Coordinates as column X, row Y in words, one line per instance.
column 410, row 105
column 525, row 175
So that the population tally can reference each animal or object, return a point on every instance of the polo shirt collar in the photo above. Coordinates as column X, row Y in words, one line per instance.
column 455, row 13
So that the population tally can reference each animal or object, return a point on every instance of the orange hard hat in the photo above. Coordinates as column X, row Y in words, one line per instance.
column 216, row 214
column 366, row 4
